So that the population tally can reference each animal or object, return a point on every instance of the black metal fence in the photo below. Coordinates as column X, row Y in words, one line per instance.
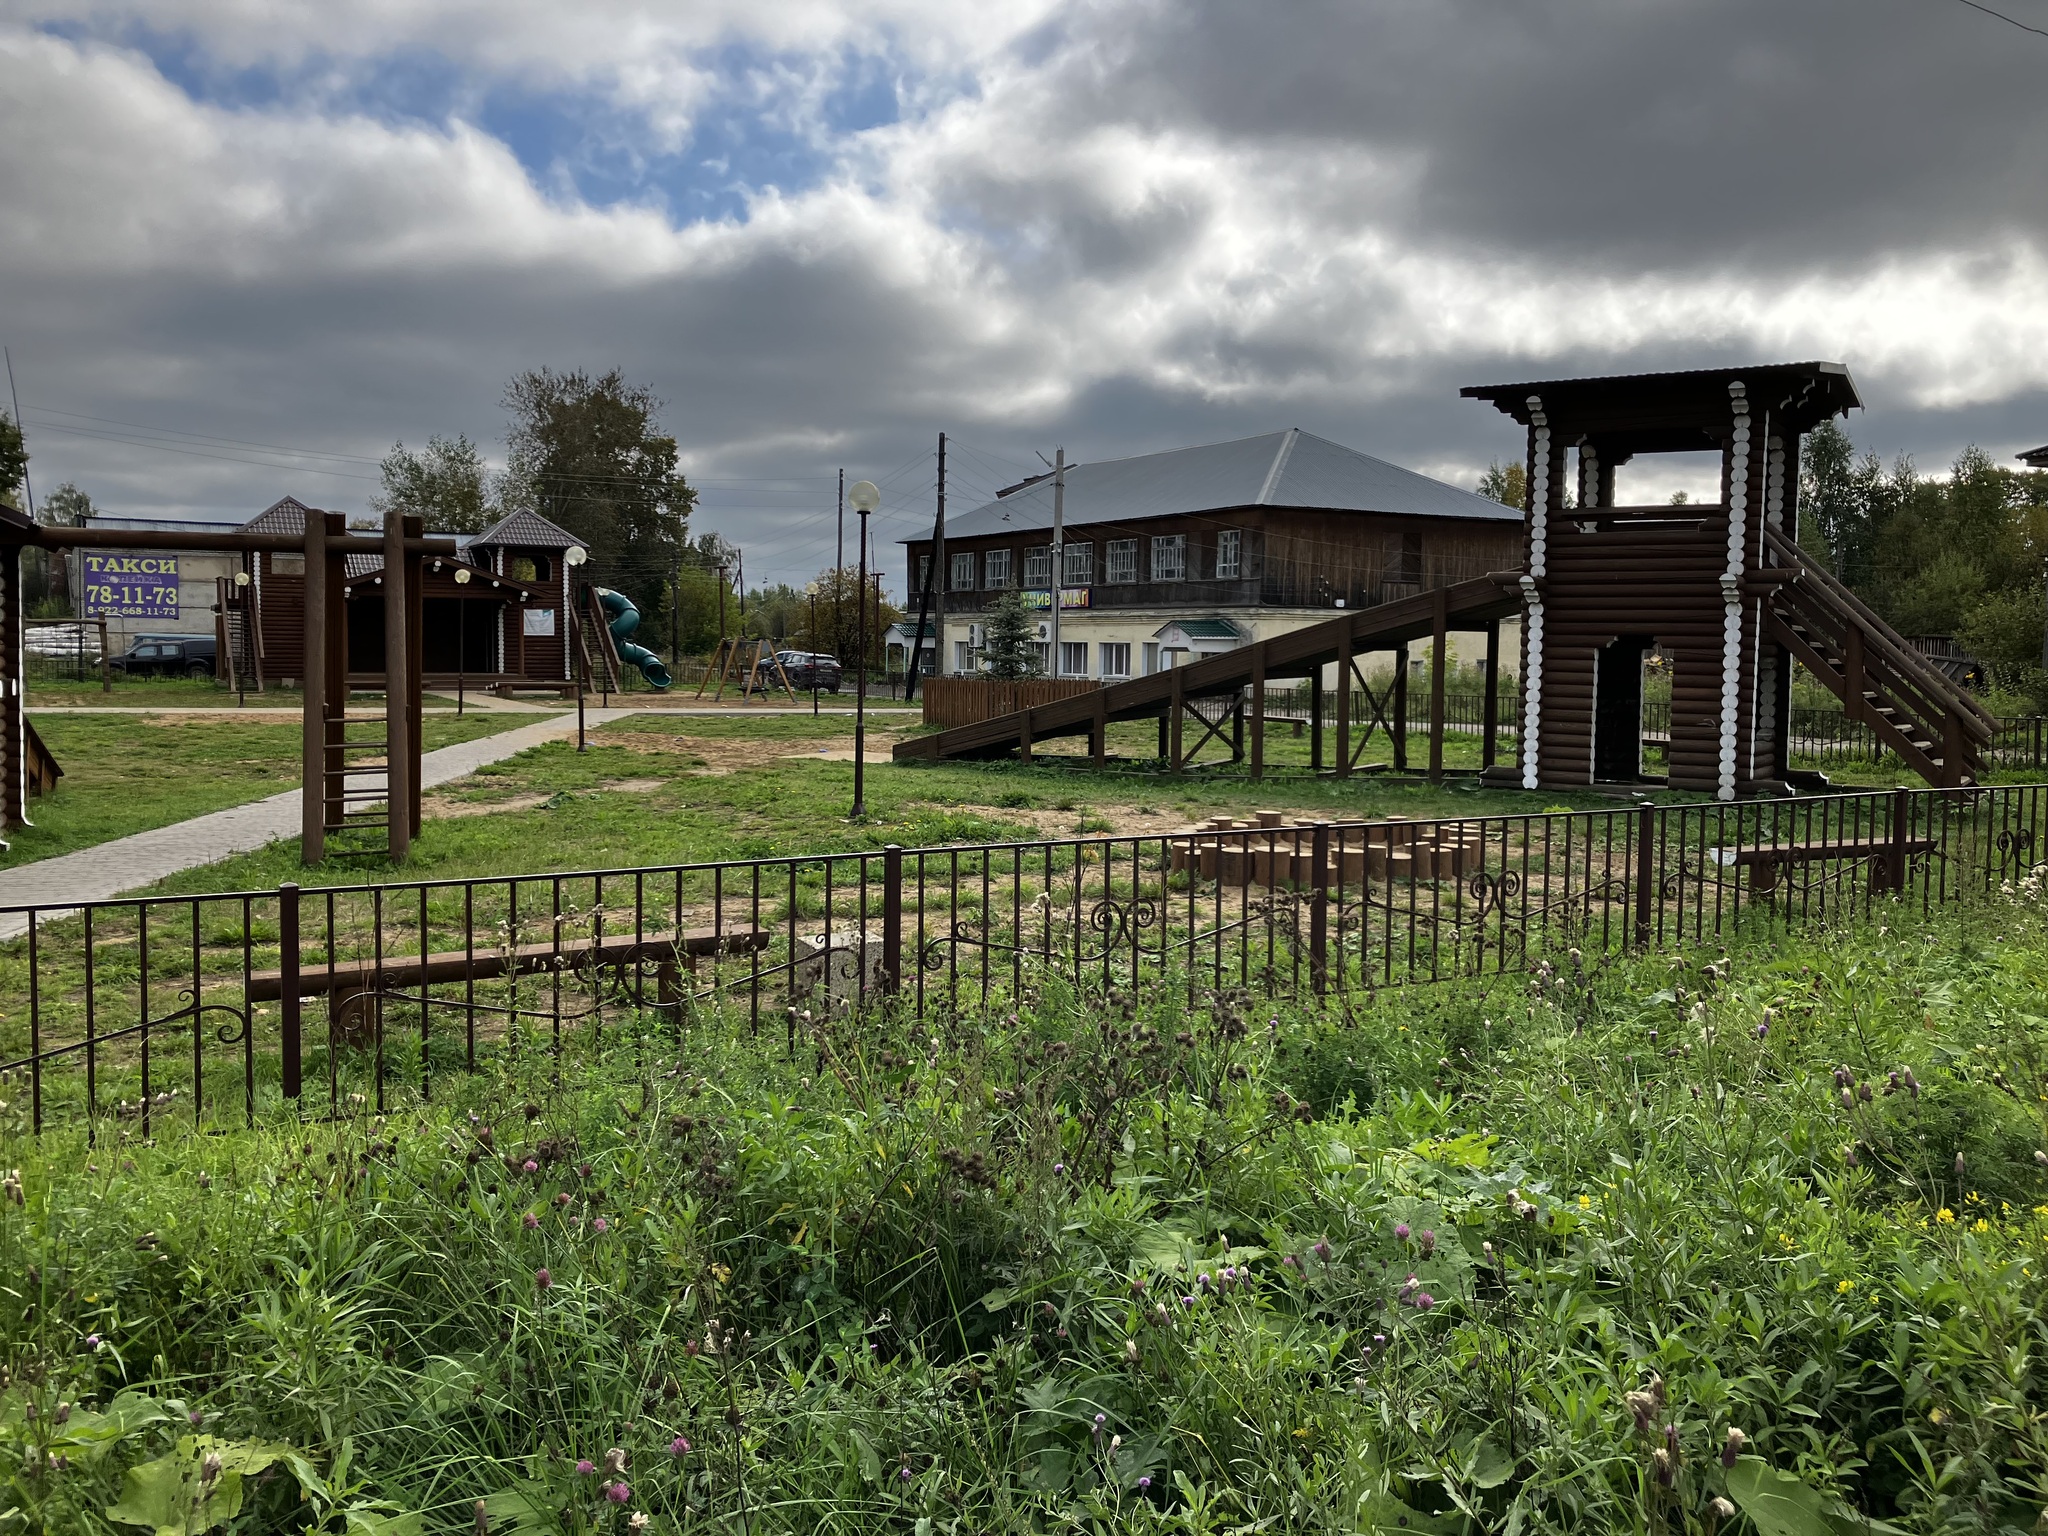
column 209, row 1008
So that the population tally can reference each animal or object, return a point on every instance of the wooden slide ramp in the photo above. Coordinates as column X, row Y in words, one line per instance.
column 1170, row 696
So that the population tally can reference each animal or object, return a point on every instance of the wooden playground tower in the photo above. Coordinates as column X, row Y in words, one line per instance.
column 347, row 770
column 1723, row 591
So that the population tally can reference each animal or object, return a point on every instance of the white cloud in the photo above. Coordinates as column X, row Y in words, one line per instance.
column 1047, row 245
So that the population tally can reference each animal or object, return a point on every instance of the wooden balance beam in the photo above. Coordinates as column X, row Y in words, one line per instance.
column 348, row 984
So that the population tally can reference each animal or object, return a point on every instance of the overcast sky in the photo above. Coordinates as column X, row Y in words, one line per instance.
column 823, row 232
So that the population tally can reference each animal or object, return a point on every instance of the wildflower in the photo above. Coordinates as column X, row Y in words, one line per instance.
column 905, row 1473
column 543, row 1279
column 1116, row 1443
column 585, row 1467
column 529, row 1221
column 2041, row 1158
column 1667, row 1470
column 205, row 1181
column 679, row 1446
column 1202, row 1281
column 1059, row 1168
column 1731, row 1448
column 1289, row 1261
column 1642, row 1407
column 1720, row 1509
column 615, row 1460
column 1379, row 1341
column 12, row 1185
column 1322, row 1250
column 562, row 1198
column 637, row 1522
column 1427, row 1242
column 1959, row 1165
column 1844, row 1287
column 1131, row 1351
column 1144, row 1483
column 92, row 1341
column 1424, row 1301
column 1401, row 1230
column 1763, row 1031
column 210, row 1470
column 1980, row 1225
column 599, row 1224
column 530, row 1166
column 1187, row 1301
column 1945, row 1217
column 1100, row 1420
column 618, row 1493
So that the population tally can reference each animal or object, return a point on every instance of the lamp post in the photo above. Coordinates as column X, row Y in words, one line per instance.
column 461, row 637
column 235, row 657
column 812, row 590
column 864, row 497
column 573, row 557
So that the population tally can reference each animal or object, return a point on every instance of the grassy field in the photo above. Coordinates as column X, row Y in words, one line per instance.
column 1745, row 1241
column 127, row 774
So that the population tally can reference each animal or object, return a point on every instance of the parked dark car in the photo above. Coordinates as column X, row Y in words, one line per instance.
column 167, row 656
column 807, row 670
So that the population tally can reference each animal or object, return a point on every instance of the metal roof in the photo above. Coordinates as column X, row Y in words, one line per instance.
column 286, row 515
column 525, row 530
column 1209, row 627
column 1277, row 469
column 2036, row 458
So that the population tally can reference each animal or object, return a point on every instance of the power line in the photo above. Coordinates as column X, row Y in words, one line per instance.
column 2014, row 21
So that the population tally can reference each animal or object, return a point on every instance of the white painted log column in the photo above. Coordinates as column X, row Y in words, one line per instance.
column 1731, row 588
column 1532, row 594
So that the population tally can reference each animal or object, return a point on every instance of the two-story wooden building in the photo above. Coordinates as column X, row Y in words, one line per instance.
column 1171, row 556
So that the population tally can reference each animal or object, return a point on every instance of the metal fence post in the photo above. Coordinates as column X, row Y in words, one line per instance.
column 1902, row 822
column 1319, row 911
column 288, row 984
column 892, row 919
column 1646, row 830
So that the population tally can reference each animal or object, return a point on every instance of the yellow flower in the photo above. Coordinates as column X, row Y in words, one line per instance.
column 1980, row 1225
column 1844, row 1287
column 1945, row 1216
column 1585, row 1202
column 1785, row 1238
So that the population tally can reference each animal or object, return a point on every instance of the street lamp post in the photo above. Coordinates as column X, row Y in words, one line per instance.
column 864, row 496
column 812, row 589
column 574, row 556
column 461, row 638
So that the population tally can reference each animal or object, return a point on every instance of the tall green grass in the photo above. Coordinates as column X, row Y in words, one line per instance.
column 1588, row 1249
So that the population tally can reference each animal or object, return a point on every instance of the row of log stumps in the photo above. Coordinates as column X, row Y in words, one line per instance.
column 1277, row 853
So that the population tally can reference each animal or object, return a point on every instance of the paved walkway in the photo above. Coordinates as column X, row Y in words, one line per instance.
column 129, row 863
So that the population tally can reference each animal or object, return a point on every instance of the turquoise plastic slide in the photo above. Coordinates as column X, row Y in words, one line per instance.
column 625, row 618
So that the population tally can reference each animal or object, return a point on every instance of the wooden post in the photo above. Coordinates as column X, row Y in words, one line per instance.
column 1902, row 823
column 1259, row 713
column 1489, row 725
column 13, row 685
column 289, row 1004
column 1440, row 639
column 397, row 714
column 1315, row 720
column 1344, row 704
column 1237, row 729
column 415, row 660
column 313, row 748
column 1164, row 747
column 1401, row 707
column 1098, row 735
column 1319, row 910
column 1173, row 763
column 1024, row 735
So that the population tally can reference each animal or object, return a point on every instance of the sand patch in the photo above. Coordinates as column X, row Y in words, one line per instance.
column 1123, row 820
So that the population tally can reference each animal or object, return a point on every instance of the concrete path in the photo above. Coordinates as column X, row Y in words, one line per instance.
column 129, row 863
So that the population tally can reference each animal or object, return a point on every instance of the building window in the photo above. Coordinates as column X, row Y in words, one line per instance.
column 1038, row 566
column 1073, row 658
column 1151, row 657
column 1229, row 555
column 1043, row 650
column 1079, row 566
column 963, row 573
column 1410, row 568
column 924, row 571
column 963, row 656
column 1116, row 660
column 995, row 569
column 1170, row 557
column 1120, row 562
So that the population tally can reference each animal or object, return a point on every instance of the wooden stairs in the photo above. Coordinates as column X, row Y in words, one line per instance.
column 1932, row 722
column 1170, row 696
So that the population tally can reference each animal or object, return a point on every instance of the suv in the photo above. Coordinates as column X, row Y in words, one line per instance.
column 167, row 656
column 809, row 670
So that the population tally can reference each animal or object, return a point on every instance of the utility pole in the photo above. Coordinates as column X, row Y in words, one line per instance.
column 838, row 565
column 1059, row 547
column 925, row 602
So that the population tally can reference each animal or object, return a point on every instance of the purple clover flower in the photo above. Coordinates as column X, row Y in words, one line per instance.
column 585, row 1467
column 679, row 1446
